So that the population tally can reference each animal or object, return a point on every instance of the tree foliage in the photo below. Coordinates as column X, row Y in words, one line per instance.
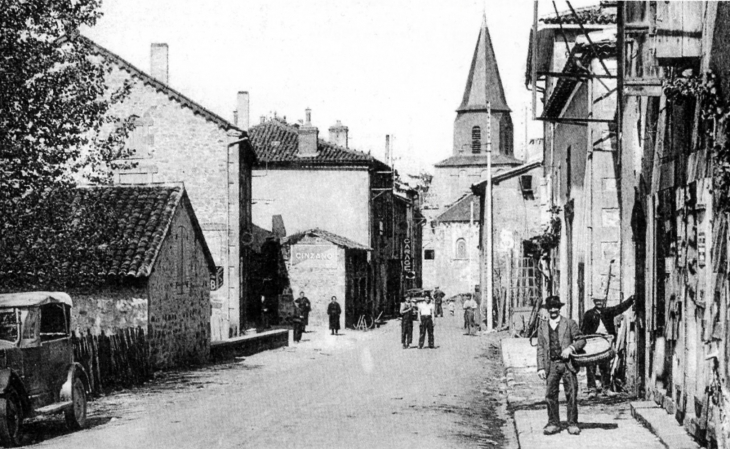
column 54, row 101
column 55, row 129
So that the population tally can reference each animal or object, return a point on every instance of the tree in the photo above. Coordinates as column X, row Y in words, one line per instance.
column 55, row 128
column 54, row 102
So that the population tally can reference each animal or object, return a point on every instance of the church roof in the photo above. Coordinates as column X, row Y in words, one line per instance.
column 461, row 210
column 472, row 160
column 484, row 84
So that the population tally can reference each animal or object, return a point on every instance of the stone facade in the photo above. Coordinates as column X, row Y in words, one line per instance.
column 455, row 267
column 110, row 309
column 176, row 140
column 322, row 269
column 179, row 292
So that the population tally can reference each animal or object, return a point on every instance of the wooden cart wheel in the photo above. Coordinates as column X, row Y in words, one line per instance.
column 76, row 414
column 11, row 418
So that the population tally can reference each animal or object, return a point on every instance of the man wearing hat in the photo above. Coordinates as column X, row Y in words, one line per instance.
column 599, row 320
column 557, row 339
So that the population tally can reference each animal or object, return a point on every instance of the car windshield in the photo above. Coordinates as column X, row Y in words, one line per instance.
column 9, row 325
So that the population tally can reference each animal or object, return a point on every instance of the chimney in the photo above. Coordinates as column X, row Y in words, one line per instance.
column 308, row 137
column 158, row 62
column 338, row 134
column 242, row 110
column 387, row 149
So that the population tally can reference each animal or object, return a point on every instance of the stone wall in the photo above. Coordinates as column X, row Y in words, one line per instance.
column 453, row 274
column 179, row 292
column 319, row 278
column 174, row 144
column 110, row 309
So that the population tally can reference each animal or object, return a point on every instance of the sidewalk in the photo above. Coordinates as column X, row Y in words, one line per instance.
column 604, row 423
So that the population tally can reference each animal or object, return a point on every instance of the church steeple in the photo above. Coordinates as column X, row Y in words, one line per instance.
column 484, row 84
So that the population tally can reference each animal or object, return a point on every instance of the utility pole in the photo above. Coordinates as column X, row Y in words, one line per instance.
column 487, row 295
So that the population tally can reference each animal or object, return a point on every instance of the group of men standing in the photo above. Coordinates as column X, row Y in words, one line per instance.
column 423, row 311
column 558, row 340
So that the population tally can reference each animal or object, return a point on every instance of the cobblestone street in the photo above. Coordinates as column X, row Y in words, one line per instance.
column 360, row 389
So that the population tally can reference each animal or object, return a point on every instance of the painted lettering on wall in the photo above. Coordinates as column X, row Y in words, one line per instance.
column 318, row 254
column 407, row 256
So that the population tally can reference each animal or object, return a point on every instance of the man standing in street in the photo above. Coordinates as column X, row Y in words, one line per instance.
column 304, row 307
column 470, row 306
column 426, row 310
column 557, row 339
column 406, row 325
column 438, row 299
column 599, row 320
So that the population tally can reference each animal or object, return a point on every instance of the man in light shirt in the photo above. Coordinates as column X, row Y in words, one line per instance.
column 426, row 311
column 557, row 339
column 470, row 306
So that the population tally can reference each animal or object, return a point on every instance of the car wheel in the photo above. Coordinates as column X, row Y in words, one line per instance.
column 76, row 414
column 11, row 418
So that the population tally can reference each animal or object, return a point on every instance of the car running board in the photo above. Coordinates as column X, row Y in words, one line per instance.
column 53, row 408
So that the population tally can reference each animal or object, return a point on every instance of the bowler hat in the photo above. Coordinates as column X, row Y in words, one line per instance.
column 553, row 301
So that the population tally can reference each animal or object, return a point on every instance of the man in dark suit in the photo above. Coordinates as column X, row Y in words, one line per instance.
column 599, row 320
column 557, row 339
column 304, row 307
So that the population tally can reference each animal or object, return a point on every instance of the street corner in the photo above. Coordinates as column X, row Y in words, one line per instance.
column 599, row 428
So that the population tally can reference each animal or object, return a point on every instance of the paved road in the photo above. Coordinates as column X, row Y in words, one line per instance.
column 357, row 390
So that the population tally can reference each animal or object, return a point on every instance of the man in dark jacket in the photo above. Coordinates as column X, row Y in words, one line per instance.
column 304, row 307
column 600, row 320
column 558, row 338
column 438, row 299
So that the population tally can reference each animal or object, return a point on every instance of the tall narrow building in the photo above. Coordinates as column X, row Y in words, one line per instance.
column 451, row 238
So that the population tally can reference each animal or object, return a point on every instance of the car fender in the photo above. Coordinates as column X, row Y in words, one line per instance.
column 10, row 378
column 75, row 370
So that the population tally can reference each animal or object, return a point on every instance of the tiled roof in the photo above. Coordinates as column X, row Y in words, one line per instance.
column 602, row 14
column 136, row 220
column 160, row 86
column 466, row 160
column 330, row 237
column 277, row 143
column 461, row 210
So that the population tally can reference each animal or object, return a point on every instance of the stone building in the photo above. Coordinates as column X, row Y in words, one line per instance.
column 451, row 259
column 322, row 265
column 316, row 184
column 673, row 196
column 153, row 269
column 178, row 140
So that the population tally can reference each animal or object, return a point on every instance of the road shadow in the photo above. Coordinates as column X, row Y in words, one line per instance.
column 44, row 428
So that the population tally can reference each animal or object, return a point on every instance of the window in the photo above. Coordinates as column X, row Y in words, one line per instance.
column 429, row 254
column 461, row 249
column 476, row 140
column 53, row 322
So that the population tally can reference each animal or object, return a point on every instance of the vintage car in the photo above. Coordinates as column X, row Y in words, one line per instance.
column 38, row 374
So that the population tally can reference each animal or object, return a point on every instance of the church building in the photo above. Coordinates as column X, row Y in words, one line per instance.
column 450, row 238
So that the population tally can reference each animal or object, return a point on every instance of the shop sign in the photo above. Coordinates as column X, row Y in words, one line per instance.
column 216, row 279
column 407, row 256
column 317, row 254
